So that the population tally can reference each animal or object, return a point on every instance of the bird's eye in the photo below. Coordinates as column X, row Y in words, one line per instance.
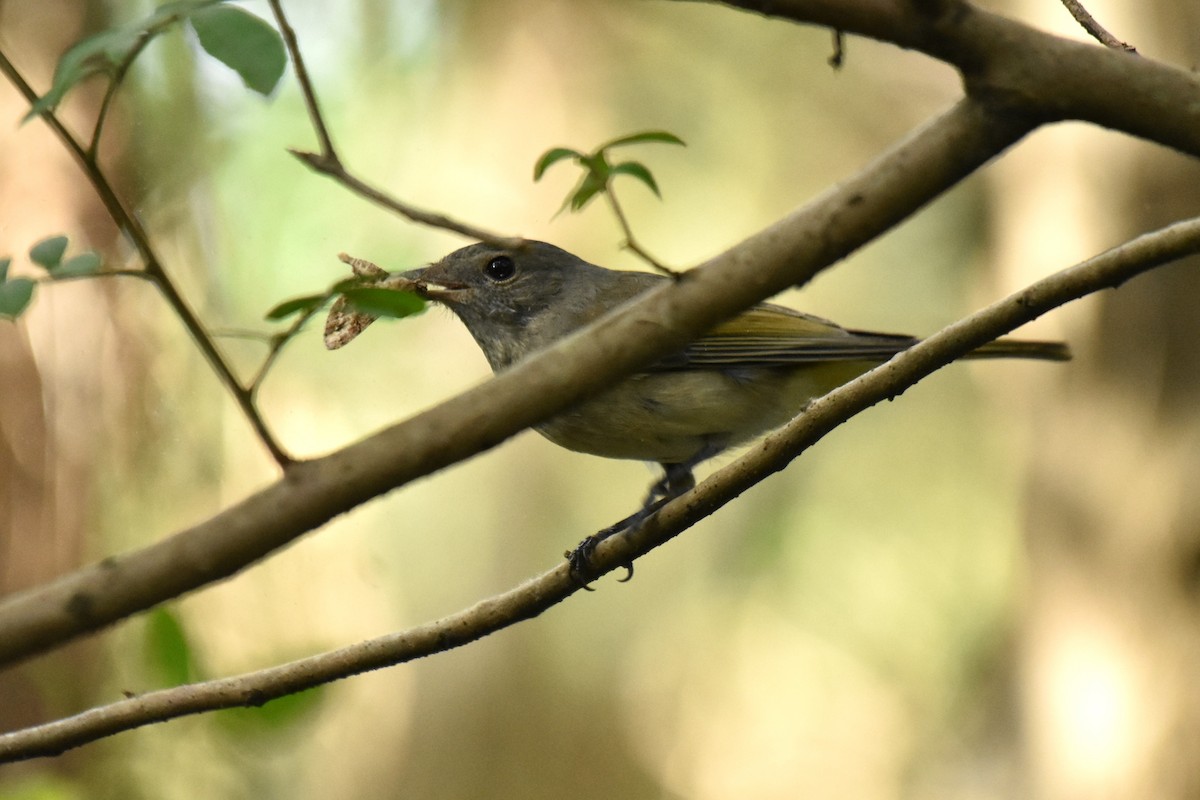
column 500, row 268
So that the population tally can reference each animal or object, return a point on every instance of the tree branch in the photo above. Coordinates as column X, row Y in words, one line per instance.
column 311, row 493
column 535, row 596
column 1011, row 64
column 333, row 168
column 1094, row 28
column 311, row 104
column 1016, row 78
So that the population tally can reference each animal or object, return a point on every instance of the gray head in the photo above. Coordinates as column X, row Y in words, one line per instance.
column 518, row 300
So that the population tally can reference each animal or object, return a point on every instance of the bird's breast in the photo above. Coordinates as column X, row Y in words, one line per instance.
column 669, row 417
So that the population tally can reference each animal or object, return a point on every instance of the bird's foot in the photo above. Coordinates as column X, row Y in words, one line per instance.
column 581, row 571
column 677, row 479
column 580, row 559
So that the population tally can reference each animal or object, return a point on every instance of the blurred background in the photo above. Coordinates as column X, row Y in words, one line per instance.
column 985, row 589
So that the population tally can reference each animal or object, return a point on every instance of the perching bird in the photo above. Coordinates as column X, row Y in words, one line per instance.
column 741, row 379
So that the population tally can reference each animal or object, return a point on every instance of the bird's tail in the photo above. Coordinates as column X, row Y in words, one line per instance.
column 1023, row 348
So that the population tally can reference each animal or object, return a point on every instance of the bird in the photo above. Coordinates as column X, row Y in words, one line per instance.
column 744, row 377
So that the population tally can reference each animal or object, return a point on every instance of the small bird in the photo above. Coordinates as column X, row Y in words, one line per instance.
column 743, row 378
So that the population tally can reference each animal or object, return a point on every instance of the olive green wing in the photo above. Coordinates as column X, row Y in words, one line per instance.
column 773, row 336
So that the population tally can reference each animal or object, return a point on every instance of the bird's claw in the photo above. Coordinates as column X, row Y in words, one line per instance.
column 677, row 480
column 579, row 563
column 579, row 560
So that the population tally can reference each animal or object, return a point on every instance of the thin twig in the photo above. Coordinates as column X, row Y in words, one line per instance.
column 838, row 57
column 104, row 273
column 275, row 345
column 523, row 602
column 328, row 162
column 306, row 88
column 110, row 92
column 245, row 334
column 334, row 169
column 631, row 242
column 1094, row 28
column 129, row 225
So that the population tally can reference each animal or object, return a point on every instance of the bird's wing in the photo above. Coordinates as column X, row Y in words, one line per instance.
column 773, row 336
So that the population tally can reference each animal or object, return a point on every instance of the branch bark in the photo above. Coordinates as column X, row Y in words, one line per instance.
column 1014, row 65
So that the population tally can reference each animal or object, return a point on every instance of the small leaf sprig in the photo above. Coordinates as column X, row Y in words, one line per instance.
column 16, row 293
column 598, row 174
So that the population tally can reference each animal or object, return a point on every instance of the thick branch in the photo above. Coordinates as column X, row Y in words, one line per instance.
column 1023, row 68
column 311, row 493
column 535, row 596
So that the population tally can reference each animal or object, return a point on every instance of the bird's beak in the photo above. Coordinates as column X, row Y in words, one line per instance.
column 424, row 282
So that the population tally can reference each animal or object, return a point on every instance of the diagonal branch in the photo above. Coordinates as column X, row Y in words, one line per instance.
column 333, row 168
column 1094, row 28
column 311, row 493
column 131, row 227
column 311, row 103
column 535, row 596
column 631, row 242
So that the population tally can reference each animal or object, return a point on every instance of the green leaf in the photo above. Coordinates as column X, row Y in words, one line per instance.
column 48, row 253
column 638, row 171
column 645, row 136
column 346, row 284
column 96, row 54
column 83, row 264
column 4, row 264
column 588, row 188
column 172, row 12
column 598, row 171
column 15, row 295
column 385, row 302
column 167, row 649
column 552, row 157
column 243, row 42
column 297, row 305
column 597, row 164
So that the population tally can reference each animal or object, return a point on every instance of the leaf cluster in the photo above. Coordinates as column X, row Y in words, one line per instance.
column 17, row 293
column 598, row 169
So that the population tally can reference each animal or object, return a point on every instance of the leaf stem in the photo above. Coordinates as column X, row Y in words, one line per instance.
column 275, row 345
column 631, row 242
